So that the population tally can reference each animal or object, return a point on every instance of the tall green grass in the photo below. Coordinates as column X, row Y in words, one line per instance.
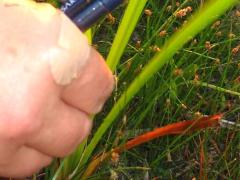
column 160, row 97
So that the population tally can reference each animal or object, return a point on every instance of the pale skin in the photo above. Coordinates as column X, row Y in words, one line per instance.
column 52, row 81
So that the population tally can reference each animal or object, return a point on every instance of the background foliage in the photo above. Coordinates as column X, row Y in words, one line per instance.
column 202, row 77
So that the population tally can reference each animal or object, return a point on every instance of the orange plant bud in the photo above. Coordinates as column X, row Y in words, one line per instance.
column 163, row 33
column 148, row 12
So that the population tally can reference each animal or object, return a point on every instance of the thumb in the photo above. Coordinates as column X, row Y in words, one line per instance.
column 44, row 33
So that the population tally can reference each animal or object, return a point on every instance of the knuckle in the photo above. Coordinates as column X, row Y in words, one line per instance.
column 106, row 92
column 108, row 86
column 111, row 84
column 75, row 136
column 22, row 124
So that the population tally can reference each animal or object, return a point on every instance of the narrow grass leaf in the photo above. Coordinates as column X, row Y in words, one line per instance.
column 217, row 88
column 125, row 30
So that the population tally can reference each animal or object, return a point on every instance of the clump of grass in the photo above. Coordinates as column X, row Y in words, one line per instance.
column 177, row 63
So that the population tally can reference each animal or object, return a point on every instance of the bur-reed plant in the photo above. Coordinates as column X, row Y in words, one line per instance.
column 168, row 75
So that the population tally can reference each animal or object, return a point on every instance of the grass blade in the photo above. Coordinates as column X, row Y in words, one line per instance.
column 125, row 30
column 217, row 88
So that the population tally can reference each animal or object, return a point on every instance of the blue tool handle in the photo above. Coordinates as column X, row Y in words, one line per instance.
column 93, row 12
column 111, row 4
column 72, row 7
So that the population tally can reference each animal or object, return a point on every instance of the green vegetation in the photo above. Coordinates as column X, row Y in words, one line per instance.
column 181, row 60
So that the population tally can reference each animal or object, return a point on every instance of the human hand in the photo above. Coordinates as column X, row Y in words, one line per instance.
column 51, row 82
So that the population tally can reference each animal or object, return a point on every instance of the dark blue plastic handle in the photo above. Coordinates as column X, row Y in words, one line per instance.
column 73, row 7
column 91, row 13
column 111, row 4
